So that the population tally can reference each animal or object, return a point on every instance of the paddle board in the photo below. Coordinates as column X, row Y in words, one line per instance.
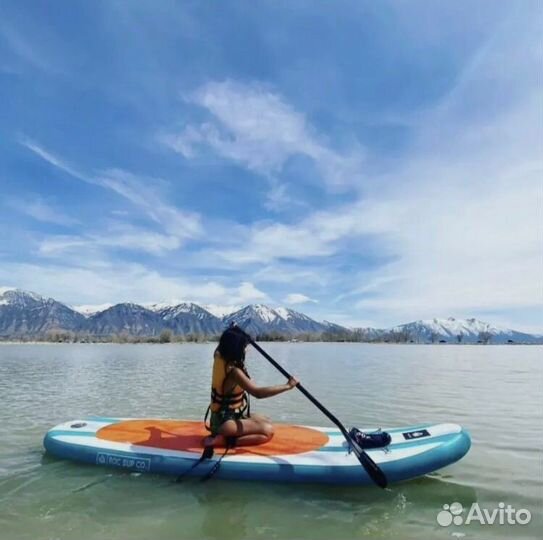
column 295, row 453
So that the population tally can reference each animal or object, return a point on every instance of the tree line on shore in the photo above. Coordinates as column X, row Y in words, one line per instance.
column 167, row 336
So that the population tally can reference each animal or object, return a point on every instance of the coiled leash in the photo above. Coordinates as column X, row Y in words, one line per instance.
column 230, row 443
column 208, row 453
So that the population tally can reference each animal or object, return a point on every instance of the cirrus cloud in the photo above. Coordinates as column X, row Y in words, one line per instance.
column 297, row 298
column 255, row 127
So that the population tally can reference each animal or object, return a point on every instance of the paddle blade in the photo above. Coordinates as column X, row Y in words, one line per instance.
column 374, row 472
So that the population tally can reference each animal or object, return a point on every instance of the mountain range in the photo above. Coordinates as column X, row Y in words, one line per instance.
column 25, row 314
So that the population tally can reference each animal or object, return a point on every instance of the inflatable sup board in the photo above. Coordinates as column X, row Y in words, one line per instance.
column 295, row 454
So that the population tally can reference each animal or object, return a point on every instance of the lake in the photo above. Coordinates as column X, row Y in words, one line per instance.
column 494, row 391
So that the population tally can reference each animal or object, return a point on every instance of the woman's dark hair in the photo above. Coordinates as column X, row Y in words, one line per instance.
column 232, row 344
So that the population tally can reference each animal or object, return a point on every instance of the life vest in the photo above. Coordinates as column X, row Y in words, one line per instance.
column 235, row 399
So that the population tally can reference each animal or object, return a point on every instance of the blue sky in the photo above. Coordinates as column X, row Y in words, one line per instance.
column 368, row 163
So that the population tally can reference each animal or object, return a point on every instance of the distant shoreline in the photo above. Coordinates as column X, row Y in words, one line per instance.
column 292, row 342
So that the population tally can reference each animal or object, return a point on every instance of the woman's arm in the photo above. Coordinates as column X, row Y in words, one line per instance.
column 261, row 392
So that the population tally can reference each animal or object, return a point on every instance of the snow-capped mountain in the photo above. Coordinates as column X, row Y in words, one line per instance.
column 300, row 321
column 25, row 313
column 130, row 319
column 189, row 318
column 260, row 319
column 453, row 330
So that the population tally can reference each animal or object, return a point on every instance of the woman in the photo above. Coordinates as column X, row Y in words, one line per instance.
column 229, row 408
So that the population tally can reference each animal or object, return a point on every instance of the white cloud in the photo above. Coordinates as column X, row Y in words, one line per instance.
column 297, row 298
column 124, row 237
column 460, row 217
column 470, row 237
column 319, row 235
column 282, row 273
column 59, row 244
column 257, row 128
column 179, row 225
column 91, row 309
column 41, row 210
column 465, row 251
column 140, row 192
column 221, row 310
column 54, row 160
column 278, row 197
column 109, row 283
column 247, row 292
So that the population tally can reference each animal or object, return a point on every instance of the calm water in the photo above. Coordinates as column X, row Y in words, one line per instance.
column 496, row 392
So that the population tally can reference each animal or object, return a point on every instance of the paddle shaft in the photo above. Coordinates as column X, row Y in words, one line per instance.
column 375, row 473
column 301, row 388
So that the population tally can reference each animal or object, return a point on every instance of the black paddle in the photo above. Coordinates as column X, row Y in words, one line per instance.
column 375, row 473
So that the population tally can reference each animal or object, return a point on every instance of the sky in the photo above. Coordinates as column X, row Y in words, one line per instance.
column 367, row 163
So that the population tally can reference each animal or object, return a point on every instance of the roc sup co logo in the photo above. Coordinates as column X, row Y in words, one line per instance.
column 453, row 514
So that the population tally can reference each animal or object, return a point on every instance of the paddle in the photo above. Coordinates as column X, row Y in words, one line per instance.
column 375, row 473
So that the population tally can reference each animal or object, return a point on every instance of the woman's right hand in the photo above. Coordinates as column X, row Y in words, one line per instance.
column 292, row 383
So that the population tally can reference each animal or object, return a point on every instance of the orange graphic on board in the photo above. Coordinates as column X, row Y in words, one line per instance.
column 187, row 436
